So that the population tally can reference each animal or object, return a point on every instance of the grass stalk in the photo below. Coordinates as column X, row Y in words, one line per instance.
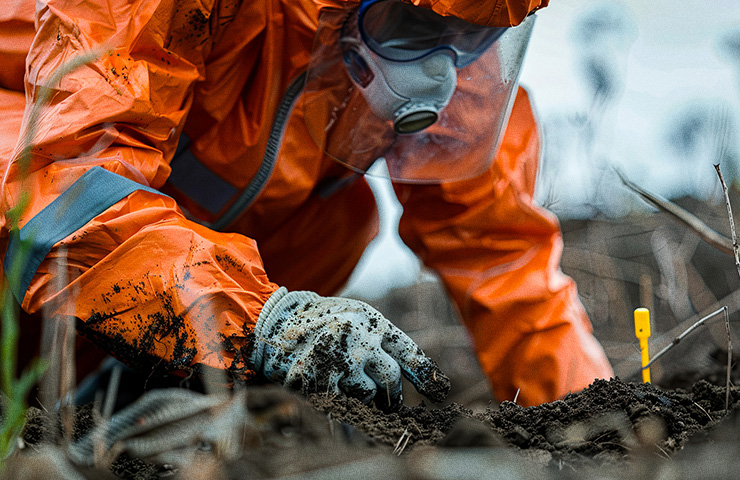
column 15, row 389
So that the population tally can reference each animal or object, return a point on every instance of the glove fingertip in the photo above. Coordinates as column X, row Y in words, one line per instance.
column 432, row 383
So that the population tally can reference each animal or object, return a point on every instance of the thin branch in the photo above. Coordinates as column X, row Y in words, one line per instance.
column 729, row 359
column 402, row 442
column 683, row 335
column 717, row 240
column 736, row 251
column 735, row 247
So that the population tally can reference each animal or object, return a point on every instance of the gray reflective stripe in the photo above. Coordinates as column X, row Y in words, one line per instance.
column 93, row 193
column 197, row 181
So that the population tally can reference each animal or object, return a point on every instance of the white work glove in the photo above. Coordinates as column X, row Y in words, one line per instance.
column 330, row 345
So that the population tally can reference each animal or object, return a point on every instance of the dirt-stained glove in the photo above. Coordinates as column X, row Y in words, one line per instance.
column 329, row 344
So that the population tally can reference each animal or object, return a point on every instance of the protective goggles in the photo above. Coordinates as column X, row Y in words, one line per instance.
column 342, row 101
column 403, row 32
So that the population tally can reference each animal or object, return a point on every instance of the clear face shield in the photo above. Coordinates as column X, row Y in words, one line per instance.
column 430, row 94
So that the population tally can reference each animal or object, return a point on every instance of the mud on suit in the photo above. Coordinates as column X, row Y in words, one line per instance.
column 175, row 182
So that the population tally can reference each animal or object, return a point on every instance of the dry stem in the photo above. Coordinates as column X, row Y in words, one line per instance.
column 736, row 251
column 718, row 241
column 683, row 335
column 729, row 358
column 402, row 442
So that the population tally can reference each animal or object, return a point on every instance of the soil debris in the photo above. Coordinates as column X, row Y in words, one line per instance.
column 610, row 424
column 422, row 425
column 608, row 420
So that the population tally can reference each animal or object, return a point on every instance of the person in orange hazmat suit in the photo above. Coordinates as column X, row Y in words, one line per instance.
column 189, row 179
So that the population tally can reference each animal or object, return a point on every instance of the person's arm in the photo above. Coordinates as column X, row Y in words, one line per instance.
column 147, row 285
column 498, row 255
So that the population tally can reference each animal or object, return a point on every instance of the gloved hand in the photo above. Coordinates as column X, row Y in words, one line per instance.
column 328, row 344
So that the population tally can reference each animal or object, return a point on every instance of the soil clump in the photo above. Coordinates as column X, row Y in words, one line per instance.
column 611, row 424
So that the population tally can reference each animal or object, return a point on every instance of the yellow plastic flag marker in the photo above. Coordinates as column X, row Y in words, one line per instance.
column 642, row 332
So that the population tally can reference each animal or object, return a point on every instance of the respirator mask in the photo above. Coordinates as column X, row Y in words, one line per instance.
column 429, row 93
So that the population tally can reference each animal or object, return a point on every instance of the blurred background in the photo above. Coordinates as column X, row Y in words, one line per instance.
column 651, row 89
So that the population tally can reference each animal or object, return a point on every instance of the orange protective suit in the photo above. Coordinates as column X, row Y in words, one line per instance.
column 170, row 276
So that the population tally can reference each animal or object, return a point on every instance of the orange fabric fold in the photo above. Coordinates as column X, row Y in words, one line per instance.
column 153, row 286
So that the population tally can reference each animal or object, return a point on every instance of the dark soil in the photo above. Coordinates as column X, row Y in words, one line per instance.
column 605, row 422
column 611, row 424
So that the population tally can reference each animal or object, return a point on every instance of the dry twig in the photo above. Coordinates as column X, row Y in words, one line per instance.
column 729, row 359
column 402, row 442
column 683, row 335
column 718, row 241
column 736, row 251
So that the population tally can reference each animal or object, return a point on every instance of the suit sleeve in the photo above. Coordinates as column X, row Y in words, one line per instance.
column 145, row 283
column 498, row 255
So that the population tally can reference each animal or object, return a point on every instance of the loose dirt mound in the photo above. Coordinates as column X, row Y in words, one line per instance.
column 605, row 421
column 611, row 424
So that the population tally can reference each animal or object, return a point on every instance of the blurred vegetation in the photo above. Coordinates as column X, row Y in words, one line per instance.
column 15, row 388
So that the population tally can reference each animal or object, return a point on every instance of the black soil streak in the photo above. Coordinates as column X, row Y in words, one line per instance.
column 166, row 323
column 328, row 362
column 138, row 353
column 325, row 360
column 229, row 261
